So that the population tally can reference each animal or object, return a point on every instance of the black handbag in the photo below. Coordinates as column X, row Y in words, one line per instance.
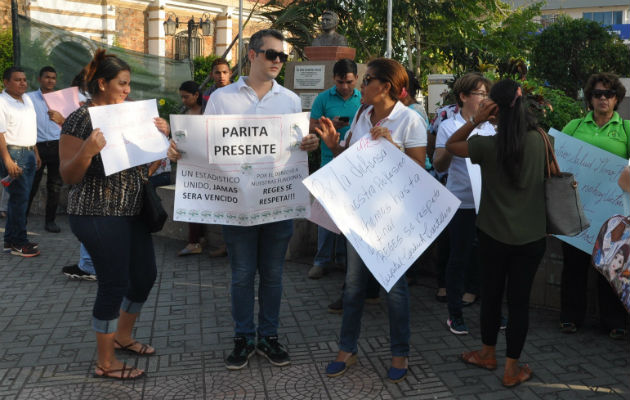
column 565, row 213
column 152, row 213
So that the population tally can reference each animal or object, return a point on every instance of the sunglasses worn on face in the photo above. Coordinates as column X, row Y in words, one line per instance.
column 271, row 55
column 367, row 78
column 609, row 94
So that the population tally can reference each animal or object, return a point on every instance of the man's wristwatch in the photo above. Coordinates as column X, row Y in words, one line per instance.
column 472, row 120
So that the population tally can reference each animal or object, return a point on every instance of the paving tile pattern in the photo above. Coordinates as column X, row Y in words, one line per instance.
column 47, row 348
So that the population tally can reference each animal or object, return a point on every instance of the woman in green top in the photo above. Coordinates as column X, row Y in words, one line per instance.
column 604, row 128
column 511, row 220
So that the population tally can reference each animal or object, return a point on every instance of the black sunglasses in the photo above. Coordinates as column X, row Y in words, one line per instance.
column 367, row 78
column 609, row 94
column 271, row 55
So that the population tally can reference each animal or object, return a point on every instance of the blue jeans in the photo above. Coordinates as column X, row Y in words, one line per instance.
column 19, row 191
column 121, row 249
column 85, row 261
column 263, row 248
column 327, row 243
column 357, row 276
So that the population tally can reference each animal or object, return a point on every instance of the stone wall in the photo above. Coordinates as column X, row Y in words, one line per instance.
column 132, row 29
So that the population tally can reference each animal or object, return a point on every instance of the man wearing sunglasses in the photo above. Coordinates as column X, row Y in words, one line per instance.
column 260, row 247
column 604, row 128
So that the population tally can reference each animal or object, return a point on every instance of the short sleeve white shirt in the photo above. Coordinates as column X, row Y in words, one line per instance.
column 18, row 120
column 458, row 181
column 239, row 98
column 407, row 128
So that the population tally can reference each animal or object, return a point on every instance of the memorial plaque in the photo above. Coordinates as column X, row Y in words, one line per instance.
column 309, row 77
column 307, row 100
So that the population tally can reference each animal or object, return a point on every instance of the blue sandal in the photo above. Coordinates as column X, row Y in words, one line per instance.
column 337, row 368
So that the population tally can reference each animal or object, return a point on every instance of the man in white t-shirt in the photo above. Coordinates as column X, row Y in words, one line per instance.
column 20, row 160
column 262, row 247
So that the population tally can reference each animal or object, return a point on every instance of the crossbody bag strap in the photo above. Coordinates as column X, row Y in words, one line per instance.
column 551, row 163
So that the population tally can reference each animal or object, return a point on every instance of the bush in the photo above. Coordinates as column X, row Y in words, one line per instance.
column 203, row 68
column 166, row 107
column 6, row 50
column 553, row 108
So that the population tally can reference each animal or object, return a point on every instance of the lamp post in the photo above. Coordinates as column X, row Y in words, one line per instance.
column 15, row 31
column 205, row 23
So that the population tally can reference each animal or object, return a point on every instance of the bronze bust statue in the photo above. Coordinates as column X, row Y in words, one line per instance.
column 329, row 37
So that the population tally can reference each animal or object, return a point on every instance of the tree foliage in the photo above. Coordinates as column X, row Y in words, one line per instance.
column 427, row 35
column 567, row 52
column 6, row 50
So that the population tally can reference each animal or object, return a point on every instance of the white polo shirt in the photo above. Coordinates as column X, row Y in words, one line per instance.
column 18, row 120
column 407, row 127
column 458, row 181
column 239, row 98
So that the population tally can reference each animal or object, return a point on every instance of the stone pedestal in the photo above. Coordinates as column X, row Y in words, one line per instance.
column 321, row 78
column 324, row 53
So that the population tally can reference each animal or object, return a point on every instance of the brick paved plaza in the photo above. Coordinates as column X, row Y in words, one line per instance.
column 47, row 348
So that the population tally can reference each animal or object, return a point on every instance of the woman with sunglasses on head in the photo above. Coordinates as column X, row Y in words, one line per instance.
column 381, row 116
column 604, row 128
column 103, row 212
column 512, row 224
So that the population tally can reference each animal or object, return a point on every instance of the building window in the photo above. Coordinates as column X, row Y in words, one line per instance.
column 181, row 46
column 548, row 19
column 604, row 17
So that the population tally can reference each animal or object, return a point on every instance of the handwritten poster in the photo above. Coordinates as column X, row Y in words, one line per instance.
column 474, row 170
column 240, row 169
column 387, row 206
column 596, row 172
column 64, row 101
column 131, row 135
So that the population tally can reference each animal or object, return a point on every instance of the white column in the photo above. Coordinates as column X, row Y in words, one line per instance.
column 156, row 28
column 224, row 33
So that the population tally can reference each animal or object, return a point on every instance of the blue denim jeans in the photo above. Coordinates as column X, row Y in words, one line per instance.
column 259, row 248
column 19, row 191
column 85, row 261
column 331, row 248
column 357, row 276
column 121, row 249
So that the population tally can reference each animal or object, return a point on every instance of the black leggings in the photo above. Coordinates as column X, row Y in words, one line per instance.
column 517, row 264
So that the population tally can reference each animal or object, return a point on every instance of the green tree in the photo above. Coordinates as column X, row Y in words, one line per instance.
column 6, row 50
column 435, row 36
column 567, row 52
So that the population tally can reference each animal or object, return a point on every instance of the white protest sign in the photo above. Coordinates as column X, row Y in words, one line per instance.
column 596, row 172
column 320, row 217
column 474, row 170
column 387, row 206
column 241, row 169
column 131, row 135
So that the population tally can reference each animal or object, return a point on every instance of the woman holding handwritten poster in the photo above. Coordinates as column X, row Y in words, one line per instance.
column 604, row 128
column 512, row 225
column 103, row 214
column 382, row 115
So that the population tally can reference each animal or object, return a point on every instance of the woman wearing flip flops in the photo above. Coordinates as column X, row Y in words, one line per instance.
column 103, row 215
column 382, row 115
column 511, row 221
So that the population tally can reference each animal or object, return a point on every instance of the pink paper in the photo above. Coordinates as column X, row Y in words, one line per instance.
column 65, row 101
column 321, row 217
